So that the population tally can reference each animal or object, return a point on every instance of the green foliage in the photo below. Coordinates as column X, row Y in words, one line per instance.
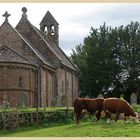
column 9, row 120
column 14, row 118
column 59, row 116
column 109, row 61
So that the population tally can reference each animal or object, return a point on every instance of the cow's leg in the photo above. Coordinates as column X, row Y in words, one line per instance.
column 98, row 115
column 117, row 117
column 125, row 119
column 77, row 115
column 106, row 114
column 77, row 118
column 108, row 117
column 90, row 116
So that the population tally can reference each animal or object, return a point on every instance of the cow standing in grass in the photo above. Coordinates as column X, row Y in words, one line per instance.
column 91, row 105
column 118, row 106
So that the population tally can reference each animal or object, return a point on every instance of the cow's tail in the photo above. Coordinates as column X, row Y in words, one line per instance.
column 104, row 109
column 74, row 106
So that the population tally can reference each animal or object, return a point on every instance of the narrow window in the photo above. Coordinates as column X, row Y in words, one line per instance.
column 22, row 95
column 52, row 30
column 46, row 30
column 62, row 86
column 21, row 82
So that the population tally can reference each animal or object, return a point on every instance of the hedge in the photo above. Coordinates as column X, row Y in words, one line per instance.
column 12, row 119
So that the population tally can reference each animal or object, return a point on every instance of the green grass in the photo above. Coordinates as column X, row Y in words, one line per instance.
column 88, row 128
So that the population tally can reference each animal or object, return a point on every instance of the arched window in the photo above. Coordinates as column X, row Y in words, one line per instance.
column 21, row 82
column 52, row 30
column 22, row 94
column 46, row 30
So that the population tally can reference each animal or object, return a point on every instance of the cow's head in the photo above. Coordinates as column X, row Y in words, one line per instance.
column 135, row 117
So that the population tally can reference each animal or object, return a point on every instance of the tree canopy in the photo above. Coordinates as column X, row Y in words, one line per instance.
column 109, row 61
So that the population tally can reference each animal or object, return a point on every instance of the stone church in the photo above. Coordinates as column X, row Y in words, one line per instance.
column 33, row 68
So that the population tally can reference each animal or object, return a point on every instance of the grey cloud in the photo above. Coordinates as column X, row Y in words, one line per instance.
column 67, row 45
column 113, row 15
column 109, row 13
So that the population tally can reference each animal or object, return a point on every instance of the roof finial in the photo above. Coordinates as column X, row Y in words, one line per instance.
column 6, row 15
column 24, row 10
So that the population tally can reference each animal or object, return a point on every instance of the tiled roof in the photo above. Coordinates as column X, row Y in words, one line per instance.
column 48, row 44
column 44, row 45
column 65, row 60
column 41, row 46
column 45, row 61
column 30, row 45
column 9, row 55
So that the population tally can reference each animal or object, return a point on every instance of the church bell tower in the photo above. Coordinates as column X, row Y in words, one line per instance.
column 50, row 27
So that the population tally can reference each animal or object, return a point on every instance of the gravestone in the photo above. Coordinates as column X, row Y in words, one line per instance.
column 100, row 96
column 58, row 98
column 133, row 98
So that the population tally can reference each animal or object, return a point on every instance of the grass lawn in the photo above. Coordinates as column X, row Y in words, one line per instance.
column 88, row 128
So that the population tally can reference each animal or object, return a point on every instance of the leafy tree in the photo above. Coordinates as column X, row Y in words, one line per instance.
column 109, row 61
column 79, row 59
column 128, row 56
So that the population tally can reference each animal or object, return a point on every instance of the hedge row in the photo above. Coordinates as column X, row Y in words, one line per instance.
column 14, row 119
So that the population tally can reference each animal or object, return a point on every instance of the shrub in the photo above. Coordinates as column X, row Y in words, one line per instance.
column 59, row 116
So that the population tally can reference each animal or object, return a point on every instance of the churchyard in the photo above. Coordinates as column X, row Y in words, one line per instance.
column 60, row 122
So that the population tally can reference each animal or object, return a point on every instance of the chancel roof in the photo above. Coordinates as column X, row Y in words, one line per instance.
column 9, row 55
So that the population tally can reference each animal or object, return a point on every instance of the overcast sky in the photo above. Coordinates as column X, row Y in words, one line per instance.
column 75, row 20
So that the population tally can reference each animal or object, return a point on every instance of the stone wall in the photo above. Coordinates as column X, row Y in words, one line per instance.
column 61, row 81
column 11, row 86
column 67, row 85
column 75, row 86
column 53, row 94
column 43, row 87
column 49, row 88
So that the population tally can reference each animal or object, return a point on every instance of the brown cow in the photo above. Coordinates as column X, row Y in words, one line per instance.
column 91, row 105
column 118, row 106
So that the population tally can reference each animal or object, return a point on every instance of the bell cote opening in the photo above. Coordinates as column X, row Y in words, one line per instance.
column 50, row 27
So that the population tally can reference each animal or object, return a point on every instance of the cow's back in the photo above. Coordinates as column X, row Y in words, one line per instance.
column 93, row 105
column 114, row 105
